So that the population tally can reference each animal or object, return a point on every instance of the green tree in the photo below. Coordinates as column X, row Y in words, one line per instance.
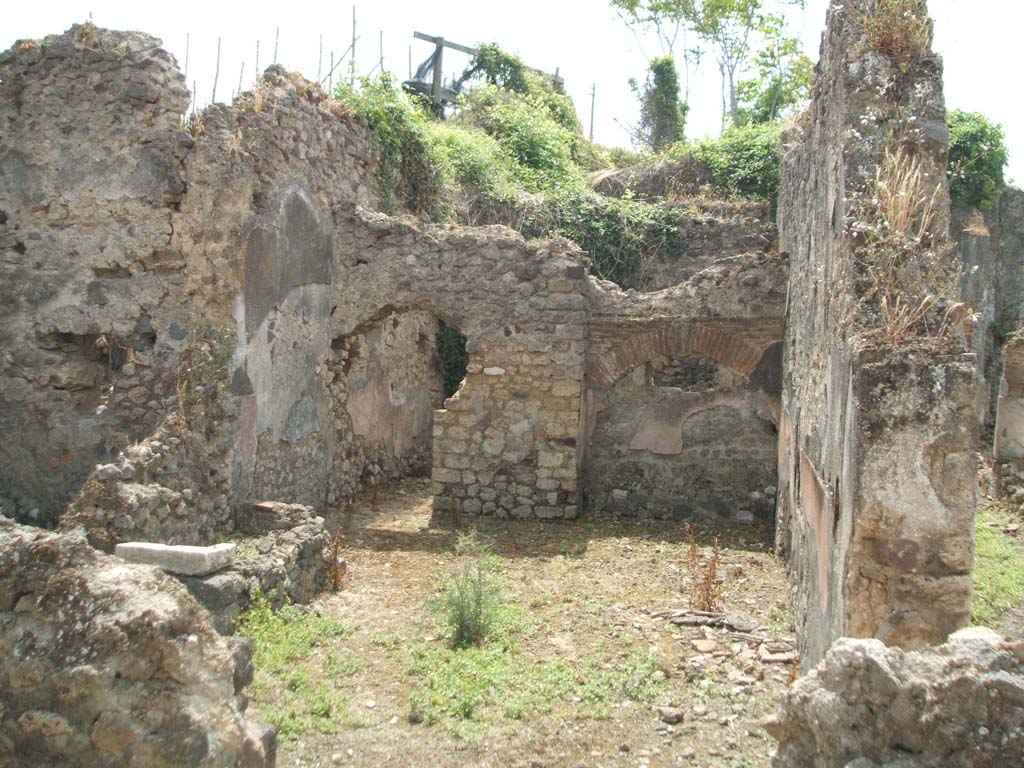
column 668, row 19
column 662, row 114
column 783, row 76
column 730, row 27
column 977, row 156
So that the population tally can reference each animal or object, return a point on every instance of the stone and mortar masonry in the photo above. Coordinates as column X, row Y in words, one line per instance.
column 112, row 664
column 877, row 486
column 253, row 227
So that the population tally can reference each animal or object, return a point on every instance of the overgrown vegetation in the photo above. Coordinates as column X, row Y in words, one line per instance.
column 909, row 282
column 294, row 693
column 998, row 568
column 899, row 30
column 977, row 157
column 408, row 170
column 662, row 114
column 744, row 161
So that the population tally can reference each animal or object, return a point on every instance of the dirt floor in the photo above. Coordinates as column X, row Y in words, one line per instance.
column 582, row 673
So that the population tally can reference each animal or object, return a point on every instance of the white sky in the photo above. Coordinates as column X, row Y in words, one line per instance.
column 584, row 39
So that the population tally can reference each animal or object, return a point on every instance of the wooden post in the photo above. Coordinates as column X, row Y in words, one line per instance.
column 320, row 58
column 186, row 55
column 277, row 34
column 593, row 95
column 216, row 73
column 435, row 89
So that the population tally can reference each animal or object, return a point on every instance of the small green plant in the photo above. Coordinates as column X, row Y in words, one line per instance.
column 998, row 568
column 471, row 605
column 283, row 637
column 471, row 544
column 977, row 157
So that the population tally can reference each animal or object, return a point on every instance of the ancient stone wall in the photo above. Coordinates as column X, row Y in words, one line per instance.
column 235, row 267
column 112, row 664
column 661, row 450
column 386, row 385
column 877, row 481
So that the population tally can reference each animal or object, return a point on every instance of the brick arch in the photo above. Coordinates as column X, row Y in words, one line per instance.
column 732, row 345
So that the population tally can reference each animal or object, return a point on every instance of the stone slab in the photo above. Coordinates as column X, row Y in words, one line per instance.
column 190, row 561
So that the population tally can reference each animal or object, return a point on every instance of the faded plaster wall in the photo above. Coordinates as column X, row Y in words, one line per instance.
column 679, row 437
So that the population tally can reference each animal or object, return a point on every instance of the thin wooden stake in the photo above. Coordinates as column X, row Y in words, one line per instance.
column 353, row 39
column 320, row 58
column 382, row 50
column 240, row 73
column 330, row 75
column 216, row 74
column 186, row 55
column 593, row 96
column 257, row 58
column 277, row 33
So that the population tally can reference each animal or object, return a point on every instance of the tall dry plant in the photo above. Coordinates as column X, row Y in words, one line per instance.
column 897, row 29
column 914, row 280
column 704, row 592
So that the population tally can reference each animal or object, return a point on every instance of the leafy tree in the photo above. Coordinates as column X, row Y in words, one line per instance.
column 977, row 156
column 783, row 76
column 662, row 114
column 728, row 26
column 668, row 19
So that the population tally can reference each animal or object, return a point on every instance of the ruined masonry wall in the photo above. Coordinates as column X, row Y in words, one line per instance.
column 229, row 282
column 877, row 485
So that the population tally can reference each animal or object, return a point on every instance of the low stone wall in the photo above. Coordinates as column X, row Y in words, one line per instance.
column 959, row 705
column 283, row 550
column 114, row 664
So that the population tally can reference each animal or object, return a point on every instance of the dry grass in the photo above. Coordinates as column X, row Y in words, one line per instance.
column 906, row 255
column 899, row 30
column 335, row 574
column 907, row 196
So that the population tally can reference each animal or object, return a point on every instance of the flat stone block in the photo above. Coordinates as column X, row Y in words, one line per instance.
column 190, row 561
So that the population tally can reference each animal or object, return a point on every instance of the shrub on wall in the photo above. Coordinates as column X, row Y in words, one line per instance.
column 408, row 170
column 744, row 161
column 977, row 157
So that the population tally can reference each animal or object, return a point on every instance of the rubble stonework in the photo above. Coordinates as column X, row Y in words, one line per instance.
column 320, row 313
column 198, row 319
column 877, row 472
column 958, row 705
column 110, row 664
